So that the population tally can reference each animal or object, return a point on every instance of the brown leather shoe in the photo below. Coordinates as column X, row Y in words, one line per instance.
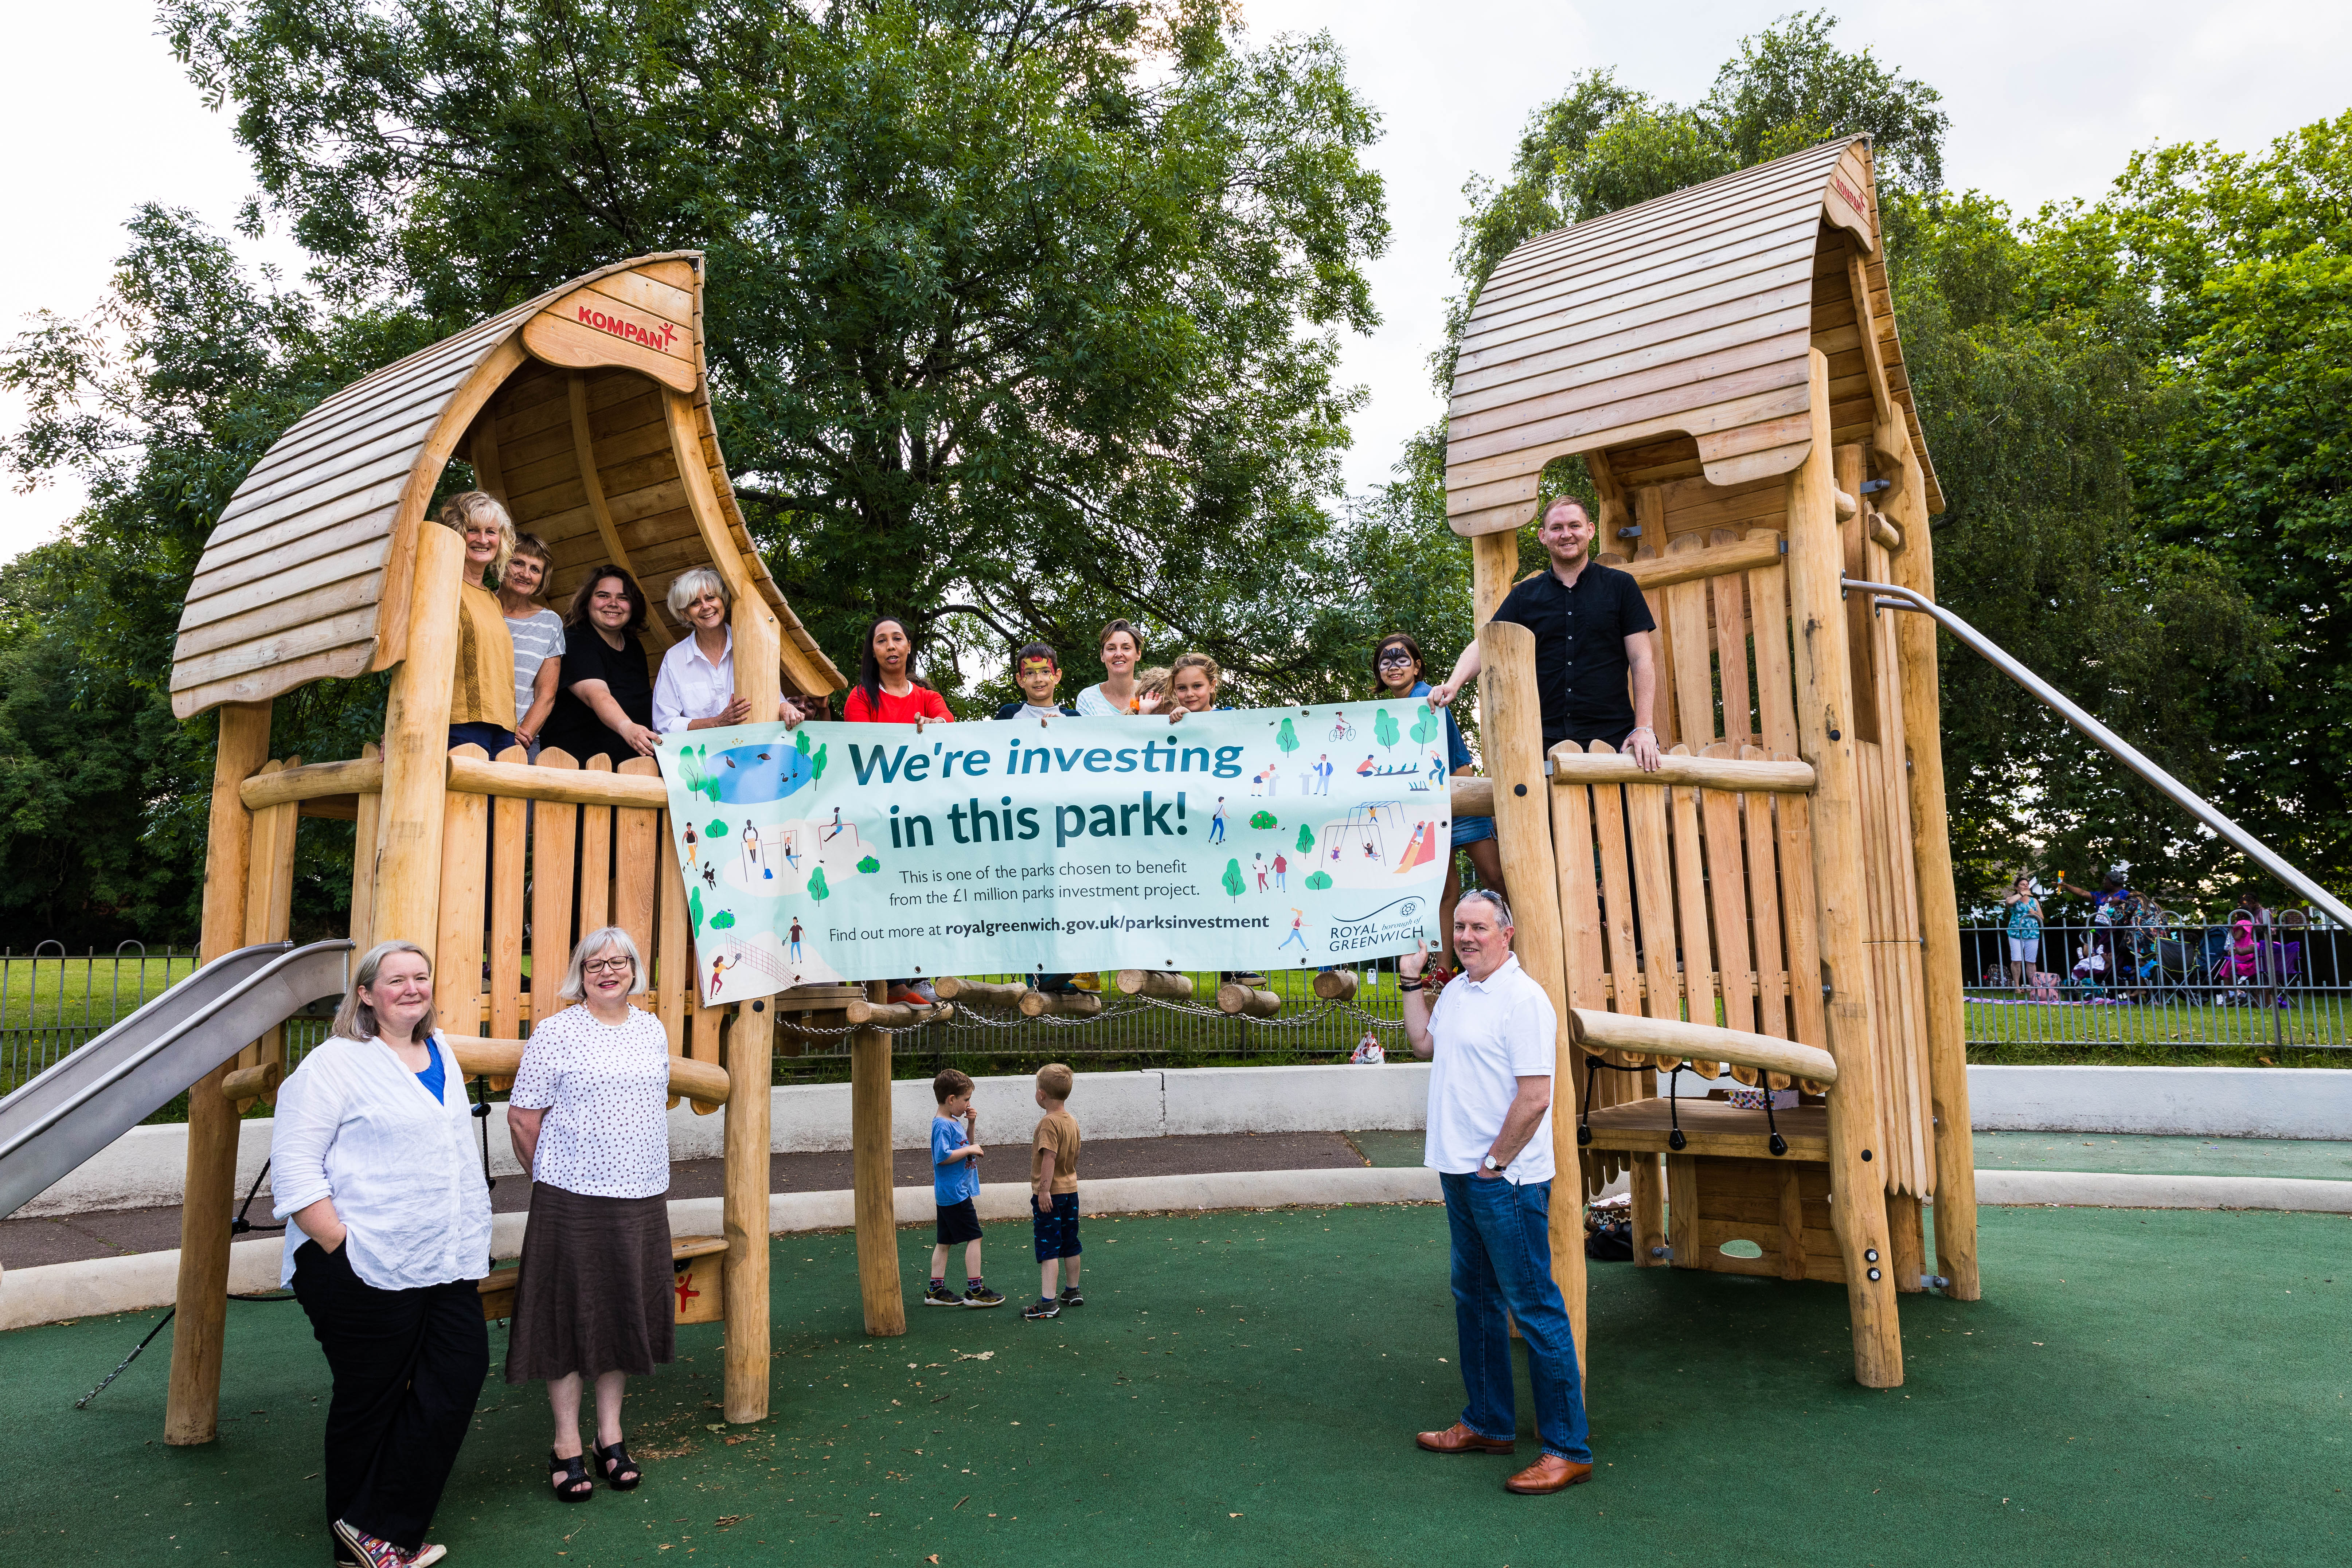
column 1459, row 1440
column 1550, row 1474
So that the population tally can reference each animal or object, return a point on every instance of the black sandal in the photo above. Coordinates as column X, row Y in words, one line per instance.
column 576, row 1484
column 621, row 1472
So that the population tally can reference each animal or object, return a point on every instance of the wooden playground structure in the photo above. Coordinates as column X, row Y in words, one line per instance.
column 586, row 411
column 1778, row 897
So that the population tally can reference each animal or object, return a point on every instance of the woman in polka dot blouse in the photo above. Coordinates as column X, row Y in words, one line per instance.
column 589, row 1118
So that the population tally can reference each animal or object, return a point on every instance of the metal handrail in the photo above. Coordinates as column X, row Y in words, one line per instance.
column 1891, row 597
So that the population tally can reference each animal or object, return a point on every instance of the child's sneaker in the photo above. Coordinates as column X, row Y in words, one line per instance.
column 981, row 1295
column 379, row 1554
column 1071, row 1297
column 941, row 1296
column 1041, row 1309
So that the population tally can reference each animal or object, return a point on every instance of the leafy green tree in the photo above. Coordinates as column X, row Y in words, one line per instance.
column 817, row 887
column 1018, row 316
column 1426, row 726
column 1286, row 738
column 1305, row 839
column 1384, row 729
column 1232, row 880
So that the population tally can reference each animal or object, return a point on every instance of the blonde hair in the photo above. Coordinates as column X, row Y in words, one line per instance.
column 469, row 507
column 1152, row 682
column 355, row 1019
column 1056, row 1080
column 575, row 979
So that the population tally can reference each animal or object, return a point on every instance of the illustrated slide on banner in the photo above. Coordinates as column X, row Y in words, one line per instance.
column 1266, row 838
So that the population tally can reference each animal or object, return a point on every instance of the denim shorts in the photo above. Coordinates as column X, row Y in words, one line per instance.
column 1058, row 1232
column 1469, row 830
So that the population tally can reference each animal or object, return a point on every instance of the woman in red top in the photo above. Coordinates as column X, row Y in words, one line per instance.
column 884, row 692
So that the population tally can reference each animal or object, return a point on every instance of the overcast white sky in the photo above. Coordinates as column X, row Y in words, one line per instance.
column 2047, row 99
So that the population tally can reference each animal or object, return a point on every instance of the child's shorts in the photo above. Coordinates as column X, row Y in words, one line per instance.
column 959, row 1222
column 1056, row 1233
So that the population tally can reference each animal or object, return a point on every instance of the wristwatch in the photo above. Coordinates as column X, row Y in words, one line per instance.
column 1491, row 1163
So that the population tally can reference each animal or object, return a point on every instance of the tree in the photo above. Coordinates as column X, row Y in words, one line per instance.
column 1232, row 880
column 1023, row 315
column 1305, row 839
column 1384, row 729
column 1286, row 738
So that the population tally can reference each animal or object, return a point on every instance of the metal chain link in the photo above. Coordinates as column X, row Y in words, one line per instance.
column 968, row 1017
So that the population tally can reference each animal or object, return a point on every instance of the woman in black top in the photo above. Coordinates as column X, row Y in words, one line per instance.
column 605, row 707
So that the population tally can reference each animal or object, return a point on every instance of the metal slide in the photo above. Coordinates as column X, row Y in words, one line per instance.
column 133, row 1069
column 1888, row 596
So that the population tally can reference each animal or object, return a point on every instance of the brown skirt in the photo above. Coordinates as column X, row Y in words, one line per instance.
column 595, row 1295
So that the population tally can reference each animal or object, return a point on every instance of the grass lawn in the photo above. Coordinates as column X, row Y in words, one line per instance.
column 2136, row 1388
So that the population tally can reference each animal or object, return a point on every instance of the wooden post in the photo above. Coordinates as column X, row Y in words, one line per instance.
column 1826, row 740
column 1939, row 918
column 416, row 749
column 869, row 1137
column 192, row 1406
column 751, row 1042
column 1513, row 713
column 1649, row 1209
column 1494, row 562
column 1907, row 1241
column 363, row 851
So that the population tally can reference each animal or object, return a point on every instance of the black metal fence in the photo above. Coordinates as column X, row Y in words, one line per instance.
column 2280, row 982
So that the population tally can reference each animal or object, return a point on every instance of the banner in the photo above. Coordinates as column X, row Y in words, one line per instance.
column 1267, row 838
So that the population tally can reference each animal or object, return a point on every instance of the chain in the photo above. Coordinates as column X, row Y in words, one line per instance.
column 971, row 1018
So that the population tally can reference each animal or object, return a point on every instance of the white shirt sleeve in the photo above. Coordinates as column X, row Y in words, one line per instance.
column 669, row 696
column 302, row 1128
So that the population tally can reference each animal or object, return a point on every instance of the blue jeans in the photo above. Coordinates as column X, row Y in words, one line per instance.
column 1502, row 1257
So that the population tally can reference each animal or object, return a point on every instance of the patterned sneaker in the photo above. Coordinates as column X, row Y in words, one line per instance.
column 1071, row 1297
column 1035, row 1311
column 378, row 1553
column 941, row 1296
column 981, row 1295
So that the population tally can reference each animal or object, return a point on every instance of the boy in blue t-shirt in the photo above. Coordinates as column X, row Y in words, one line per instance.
column 955, row 1183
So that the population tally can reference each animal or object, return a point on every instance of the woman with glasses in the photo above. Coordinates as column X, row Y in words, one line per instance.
column 589, row 1116
column 1397, row 670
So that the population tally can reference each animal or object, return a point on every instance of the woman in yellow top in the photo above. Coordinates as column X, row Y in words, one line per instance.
column 482, row 703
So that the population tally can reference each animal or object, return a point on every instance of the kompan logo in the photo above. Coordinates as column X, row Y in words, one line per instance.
column 630, row 330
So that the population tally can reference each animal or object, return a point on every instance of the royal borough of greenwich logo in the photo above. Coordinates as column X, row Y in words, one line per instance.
column 656, row 338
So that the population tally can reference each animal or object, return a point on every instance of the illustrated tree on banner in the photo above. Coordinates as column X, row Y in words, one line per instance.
column 1384, row 729
column 1232, row 877
column 1424, row 725
column 1286, row 738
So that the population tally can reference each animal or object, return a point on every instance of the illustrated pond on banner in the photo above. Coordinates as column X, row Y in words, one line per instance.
column 1249, row 839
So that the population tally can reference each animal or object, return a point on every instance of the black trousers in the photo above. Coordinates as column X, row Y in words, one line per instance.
column 408, row 1367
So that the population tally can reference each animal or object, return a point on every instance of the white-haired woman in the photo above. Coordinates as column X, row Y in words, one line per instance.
column 373, row 1166
column 696, row 687
column 482, row 697
column 589, row 1119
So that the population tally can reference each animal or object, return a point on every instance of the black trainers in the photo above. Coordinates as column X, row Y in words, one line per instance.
column 981, row 1295
column 941, row 1296
column 1071, row 1297
column 1041, row 1309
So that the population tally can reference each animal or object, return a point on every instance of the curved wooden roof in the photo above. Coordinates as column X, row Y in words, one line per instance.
column 575, row 408
column 1690, row 316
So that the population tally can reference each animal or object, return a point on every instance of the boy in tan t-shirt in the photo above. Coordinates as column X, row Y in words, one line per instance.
column 1053, row 1194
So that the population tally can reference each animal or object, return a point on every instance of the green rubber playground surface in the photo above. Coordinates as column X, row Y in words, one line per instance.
column 2160, row 1387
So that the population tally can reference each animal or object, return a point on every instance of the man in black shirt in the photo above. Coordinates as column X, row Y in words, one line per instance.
column 1593, row 643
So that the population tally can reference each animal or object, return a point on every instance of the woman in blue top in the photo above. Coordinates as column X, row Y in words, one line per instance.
column 2025, row 929
column 1397, row 668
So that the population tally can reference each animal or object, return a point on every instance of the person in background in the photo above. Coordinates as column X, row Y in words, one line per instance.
column 537, row 632
column 1192, row 682
column 1037, row 671
column 2115, row 917
column 1053, row 1194
column 955, row 1185
column 885, row 693
column 1398, row 670
column 589, row 1116
column 1592, row 632
column 2023, row 929
column 1489, row 1039
column 1121, row 645
column 482, row 696
column 387, row 1214
column 696, row 687
column 605, row 707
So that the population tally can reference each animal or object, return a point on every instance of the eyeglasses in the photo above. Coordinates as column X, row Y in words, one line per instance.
column 608, row 965
column 1395, row 656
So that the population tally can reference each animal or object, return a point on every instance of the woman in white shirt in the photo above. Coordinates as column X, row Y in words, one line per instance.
column 696, row 687
column 388, row 1233
column 589, row 1116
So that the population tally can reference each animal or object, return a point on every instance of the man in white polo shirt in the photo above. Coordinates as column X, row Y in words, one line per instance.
column 1490, row 1034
